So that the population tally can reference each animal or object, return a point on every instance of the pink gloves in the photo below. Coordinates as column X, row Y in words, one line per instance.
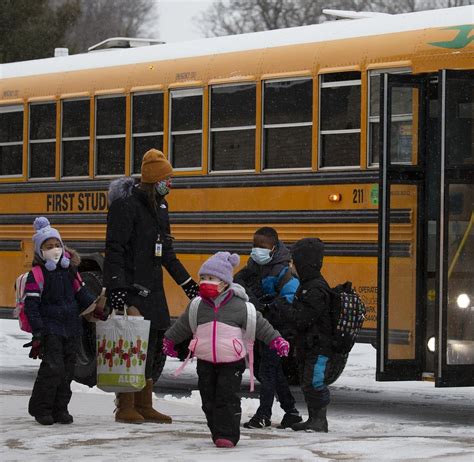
column 168, row 348
column 280, row 345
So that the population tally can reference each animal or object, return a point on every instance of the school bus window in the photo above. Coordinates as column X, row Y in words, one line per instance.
column 147, row 126
column 11, row 140
column 287, row 121
column 339, row 119
column 42, row 140
column 233, row 119
column 186, row 129
column 400, row 122
column 110, row 135
column 75, row 138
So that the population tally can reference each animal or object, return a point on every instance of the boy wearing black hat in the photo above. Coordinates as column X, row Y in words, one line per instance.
column 312, row 319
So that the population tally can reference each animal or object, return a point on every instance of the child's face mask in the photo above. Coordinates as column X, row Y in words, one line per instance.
column 210, row 289
column 163, row 187
column 53, row 254
column 261, row 256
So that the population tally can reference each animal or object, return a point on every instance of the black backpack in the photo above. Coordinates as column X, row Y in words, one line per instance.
column 347, row 316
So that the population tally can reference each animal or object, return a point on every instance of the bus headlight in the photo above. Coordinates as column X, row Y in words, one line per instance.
column 463, row 301
column 431, row 344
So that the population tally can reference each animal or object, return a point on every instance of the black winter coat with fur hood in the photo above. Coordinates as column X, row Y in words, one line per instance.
column 133, row 229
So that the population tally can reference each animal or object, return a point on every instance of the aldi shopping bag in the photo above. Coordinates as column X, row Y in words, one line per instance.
column 122, row 343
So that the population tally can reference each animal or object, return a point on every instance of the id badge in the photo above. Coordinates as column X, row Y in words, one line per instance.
column 158, row 249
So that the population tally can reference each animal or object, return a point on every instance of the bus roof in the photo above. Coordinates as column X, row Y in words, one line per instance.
column 328, row 31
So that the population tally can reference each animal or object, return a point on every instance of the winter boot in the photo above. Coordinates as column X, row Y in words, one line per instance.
column 289, row 419
column 224, row 443
column 125, row 411
column 63, row 418
column 316, row 422
column 258, row 422
column 144, row 405
column 44, row 419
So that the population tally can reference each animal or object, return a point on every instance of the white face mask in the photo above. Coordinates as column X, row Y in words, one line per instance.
column 52, row 254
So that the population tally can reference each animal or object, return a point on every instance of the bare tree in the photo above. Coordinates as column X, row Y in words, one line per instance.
column 227, row 17
column 101, row 19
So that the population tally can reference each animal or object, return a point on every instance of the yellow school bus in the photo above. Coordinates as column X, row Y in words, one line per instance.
column 285, row 128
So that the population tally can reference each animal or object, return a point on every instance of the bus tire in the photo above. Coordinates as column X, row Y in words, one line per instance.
column 336, row 365
column 85, row 371
column 93, row 281
column 158, row 365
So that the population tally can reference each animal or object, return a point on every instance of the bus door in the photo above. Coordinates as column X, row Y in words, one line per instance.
column 454, row 334
column 401, row 266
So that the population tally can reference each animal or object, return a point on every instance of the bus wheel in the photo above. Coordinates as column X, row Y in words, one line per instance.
column 336, row 365
column 93, row 281
column 158, row 365
column 85, row 371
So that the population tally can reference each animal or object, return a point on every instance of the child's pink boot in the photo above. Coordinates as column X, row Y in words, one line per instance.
column 223, row 443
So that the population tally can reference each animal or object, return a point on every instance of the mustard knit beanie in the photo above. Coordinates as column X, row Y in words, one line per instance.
column 155, row 167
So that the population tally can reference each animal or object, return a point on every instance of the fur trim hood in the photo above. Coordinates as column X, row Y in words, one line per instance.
column 121, row 188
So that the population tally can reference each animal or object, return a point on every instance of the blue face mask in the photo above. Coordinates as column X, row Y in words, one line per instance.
column 162, row 188
column 261, row 256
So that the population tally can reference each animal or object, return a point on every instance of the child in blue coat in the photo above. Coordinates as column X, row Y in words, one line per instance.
column 53, row 309
column 268, row 279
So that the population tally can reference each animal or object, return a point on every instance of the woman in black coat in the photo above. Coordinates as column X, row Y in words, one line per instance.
column 138, row 245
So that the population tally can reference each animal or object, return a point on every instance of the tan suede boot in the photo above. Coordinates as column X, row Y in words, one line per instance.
column 144, row 405
column 125, row 411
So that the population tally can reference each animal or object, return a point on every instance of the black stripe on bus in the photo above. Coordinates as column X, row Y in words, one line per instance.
column 206, row 181
column 397, row 336
column 230, row 217
column 6, row 245
column 342, row 249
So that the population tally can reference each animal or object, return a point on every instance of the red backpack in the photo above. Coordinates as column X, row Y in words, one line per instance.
column 20, row 284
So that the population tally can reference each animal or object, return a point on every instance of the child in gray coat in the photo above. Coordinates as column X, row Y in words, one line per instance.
column 219, row 344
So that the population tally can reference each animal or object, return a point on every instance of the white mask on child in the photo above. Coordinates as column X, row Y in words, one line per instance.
column 52, row 254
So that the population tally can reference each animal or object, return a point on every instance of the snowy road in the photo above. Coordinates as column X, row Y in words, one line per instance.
column 368, row 420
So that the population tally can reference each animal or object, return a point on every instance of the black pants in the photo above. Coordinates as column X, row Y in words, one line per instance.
column 52, row 389
column 219, row 385
column 273, row 380
column 155, row 344
column 315, row 391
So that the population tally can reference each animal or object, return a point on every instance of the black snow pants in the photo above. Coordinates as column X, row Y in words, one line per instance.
column 272, row 380
column 52, row 389
column 219, row 385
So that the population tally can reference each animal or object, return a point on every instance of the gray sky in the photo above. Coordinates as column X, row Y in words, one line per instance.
column 176, row 19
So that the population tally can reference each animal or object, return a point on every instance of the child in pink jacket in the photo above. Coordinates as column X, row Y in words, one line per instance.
column 219, row 345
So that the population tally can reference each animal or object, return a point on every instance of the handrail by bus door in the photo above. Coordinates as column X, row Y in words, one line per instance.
column 454, row 342
column 400, row 285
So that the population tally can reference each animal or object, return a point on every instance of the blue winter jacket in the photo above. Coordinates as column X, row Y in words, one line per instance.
column 273, row 279
column 55, row 309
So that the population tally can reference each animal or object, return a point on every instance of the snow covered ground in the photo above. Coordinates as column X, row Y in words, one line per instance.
column 368, row 420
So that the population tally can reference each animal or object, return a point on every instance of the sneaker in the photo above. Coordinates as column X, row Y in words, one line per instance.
column 63, row 418
column 45, row 419
column 258, row 422
column 290, row 419
column 223, row 443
